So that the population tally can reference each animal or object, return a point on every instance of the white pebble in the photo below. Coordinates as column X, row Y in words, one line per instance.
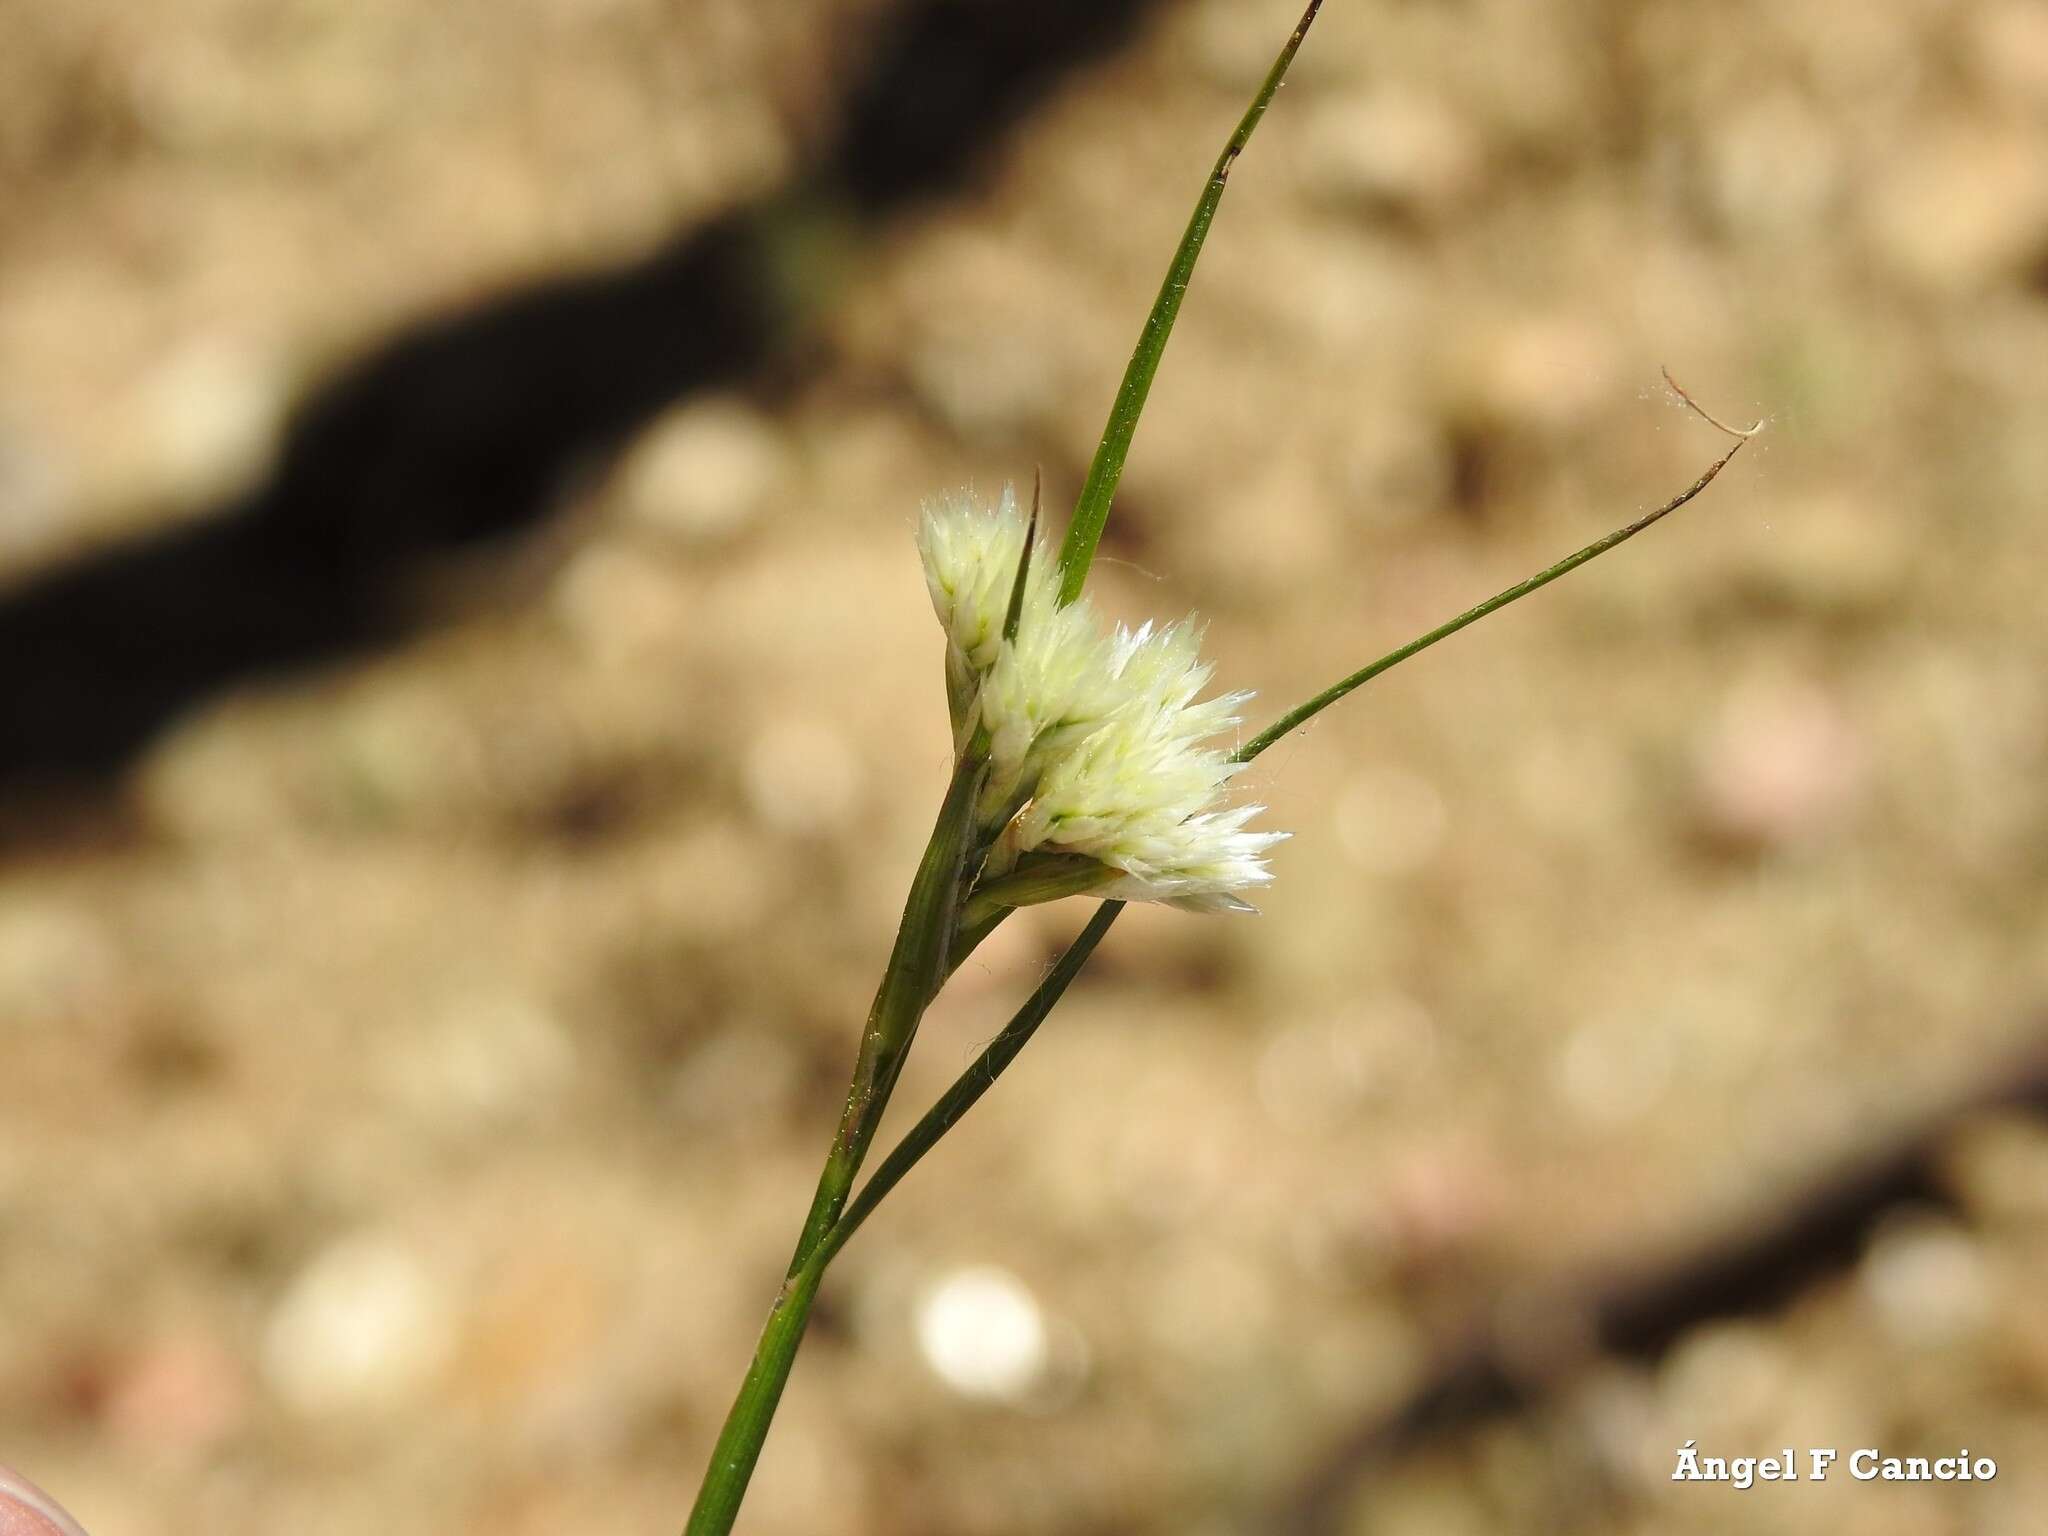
column 703, row 471
column 983, row 1334
column 212, row 413
column 363, row 1328
column 1924, row 1278
column 801, row 777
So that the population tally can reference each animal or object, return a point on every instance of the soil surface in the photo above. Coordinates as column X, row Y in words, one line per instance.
column 417, row 1059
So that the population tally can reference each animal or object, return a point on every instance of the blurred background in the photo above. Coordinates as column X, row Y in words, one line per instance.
column 470, row 711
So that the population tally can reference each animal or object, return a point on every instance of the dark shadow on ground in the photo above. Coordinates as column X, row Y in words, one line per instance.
column 1763, row 1264
column 462, row 430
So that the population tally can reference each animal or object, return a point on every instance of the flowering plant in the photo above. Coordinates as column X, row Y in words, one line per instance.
column 1086, row 763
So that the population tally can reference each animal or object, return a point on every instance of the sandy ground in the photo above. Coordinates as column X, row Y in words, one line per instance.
column 404, row 1120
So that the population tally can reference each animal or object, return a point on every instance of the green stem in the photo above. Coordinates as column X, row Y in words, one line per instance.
column 917, row 965
column 971, row 1084
column 1091, row 511
column 1303, row 713
column 746, row 1426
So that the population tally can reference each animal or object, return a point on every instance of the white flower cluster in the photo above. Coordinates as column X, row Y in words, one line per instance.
column 1102, row 772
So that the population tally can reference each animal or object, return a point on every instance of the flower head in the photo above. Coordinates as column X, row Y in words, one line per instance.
column 1140, row 796
column 1103, row 775
column 1036, row 695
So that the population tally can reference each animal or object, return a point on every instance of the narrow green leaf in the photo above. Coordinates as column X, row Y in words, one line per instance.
column 970, row 1085
column 1091, row 512
column 918, row 964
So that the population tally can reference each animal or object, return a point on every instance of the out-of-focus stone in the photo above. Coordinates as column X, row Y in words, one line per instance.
column 801, row 777
column 1608, row 1076
column 1781, row 766
column 1962, row 207
column 1774, row 165
column 210, row 415
column 709, row 884
column 486, row 1060
column 31, row 493
column 704, row 471
column 1438, row 1202
column 56, row 962
column 361, row 1331
column 1397, row 150
column 533, row 1335
column 182, row 1394
column 397, row 752
column 983, row 1334
column 1315, row 1074
column 208, row 781
column 1924, row 1279
column 1843, row 554
column 2010, row 40
column 2000, row 1167
column 987, row 380
column 747, row 1076
column 1728, row 1380
column 1546, row 372
column 1405, row 1505
column 619, row 603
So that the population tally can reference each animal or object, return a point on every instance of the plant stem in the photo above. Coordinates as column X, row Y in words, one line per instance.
column 917, row 965
column 1091, row 511
column 971, row 1084
column 746, row 1426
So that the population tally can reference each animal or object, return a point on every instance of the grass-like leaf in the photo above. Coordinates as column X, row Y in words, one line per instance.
column 1091, row 511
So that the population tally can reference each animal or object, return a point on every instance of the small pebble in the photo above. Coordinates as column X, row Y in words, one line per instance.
column 486, row 1060
column 801, row 777
column 183, row 1394
column 703, row 472
column 362, row 1330
column 1924, row 1279
column 1774, row 167
column 983, row 1334
column 1781, row 766
column 1396, row 150
column 211, row 415
column 1961, row 207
